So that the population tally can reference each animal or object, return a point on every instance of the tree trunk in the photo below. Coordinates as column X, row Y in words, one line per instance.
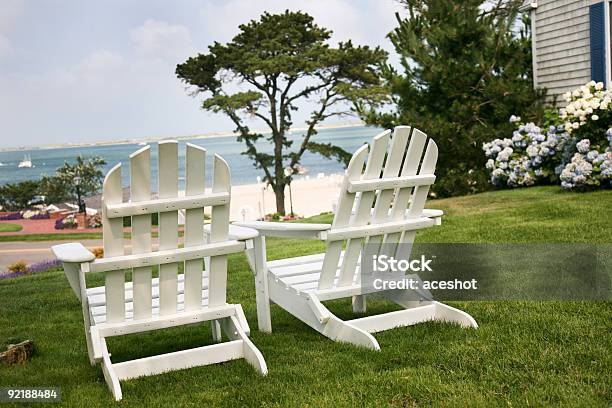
column 279, row 170
column 280, row 199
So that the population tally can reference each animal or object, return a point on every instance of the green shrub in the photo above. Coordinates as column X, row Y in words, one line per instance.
column 17, row 267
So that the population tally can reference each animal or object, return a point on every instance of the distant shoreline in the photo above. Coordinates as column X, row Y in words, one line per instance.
column 157, row 139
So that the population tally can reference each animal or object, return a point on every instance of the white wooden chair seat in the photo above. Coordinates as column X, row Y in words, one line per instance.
column 97, row 299
column 301, row 273
column 381, row 201
column 195, row 296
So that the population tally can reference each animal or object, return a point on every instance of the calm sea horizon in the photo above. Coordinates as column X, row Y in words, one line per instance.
column 48, row 160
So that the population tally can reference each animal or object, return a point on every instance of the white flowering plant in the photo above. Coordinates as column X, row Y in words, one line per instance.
column 588, row 110
column 588, row 118
column 34, row 214
column 576, row 152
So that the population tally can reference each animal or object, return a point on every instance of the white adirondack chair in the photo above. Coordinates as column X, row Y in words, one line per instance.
column 173, row 299
column 383, row 203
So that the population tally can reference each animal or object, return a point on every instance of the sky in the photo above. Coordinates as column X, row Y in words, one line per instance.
column 85, row 71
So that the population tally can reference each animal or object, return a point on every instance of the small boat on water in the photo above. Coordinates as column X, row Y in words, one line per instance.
column 26, row 162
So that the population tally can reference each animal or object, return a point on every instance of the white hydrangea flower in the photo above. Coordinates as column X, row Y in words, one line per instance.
column 592, row 156
column 583, row 146
column 578, row 180
column 584, row 102
column 532, row 151
column 505, row 154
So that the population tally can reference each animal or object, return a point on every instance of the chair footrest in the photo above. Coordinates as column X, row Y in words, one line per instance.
column 407, row 317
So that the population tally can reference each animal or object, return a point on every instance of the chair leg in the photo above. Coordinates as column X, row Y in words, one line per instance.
column 342, row 331
column 445, row 313
column 262, row 294
column 216, row 331
column 109, row 373
column 90, row 352
column 359, row 304
column 320, row 317
column 234, row 331
column 450, row 314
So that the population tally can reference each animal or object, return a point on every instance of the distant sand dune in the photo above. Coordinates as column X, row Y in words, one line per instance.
column 159, row 138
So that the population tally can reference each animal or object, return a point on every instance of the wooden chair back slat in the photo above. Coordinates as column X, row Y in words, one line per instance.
column 384, row 198
column 140, row 190
column 342, row 218
column 167, row 170
column 419, row 195
column 112, row 230
column 363, row 208
column 195, row 165
column 219, row 229
column 402, row 195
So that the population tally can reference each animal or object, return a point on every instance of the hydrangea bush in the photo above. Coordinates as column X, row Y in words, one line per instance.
column 530, row 156
column 588, row 118
column 588, row 168
column 576, row 152
column 585, row 107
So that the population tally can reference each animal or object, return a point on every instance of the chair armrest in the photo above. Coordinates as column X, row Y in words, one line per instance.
column 286, row 229
column 236, row 232
column 72, row 253
column 435, row 214
column 429, row 213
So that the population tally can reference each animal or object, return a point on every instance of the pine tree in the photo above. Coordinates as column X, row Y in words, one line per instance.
column 466, row 69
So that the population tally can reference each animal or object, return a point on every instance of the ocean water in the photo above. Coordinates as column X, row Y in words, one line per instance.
column 46, row 161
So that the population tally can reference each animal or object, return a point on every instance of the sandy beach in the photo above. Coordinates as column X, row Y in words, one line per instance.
column 311, row 196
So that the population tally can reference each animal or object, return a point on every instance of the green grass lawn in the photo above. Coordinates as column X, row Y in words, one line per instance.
column 8, row 227
column 51, row 237
column 523, row 353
